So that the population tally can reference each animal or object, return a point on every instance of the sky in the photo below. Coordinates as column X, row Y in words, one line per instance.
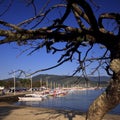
column 11, row 58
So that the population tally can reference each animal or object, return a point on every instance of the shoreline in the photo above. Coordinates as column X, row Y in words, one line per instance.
column 9, row 111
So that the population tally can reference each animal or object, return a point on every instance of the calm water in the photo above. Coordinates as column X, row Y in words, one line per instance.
column 77, row 100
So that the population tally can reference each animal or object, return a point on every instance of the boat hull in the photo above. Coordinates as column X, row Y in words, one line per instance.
column 30, row 98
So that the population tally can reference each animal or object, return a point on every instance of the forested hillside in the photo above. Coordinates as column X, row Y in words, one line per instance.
column 58, row 80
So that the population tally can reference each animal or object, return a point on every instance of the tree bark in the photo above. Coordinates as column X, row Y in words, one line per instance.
column 109, row 99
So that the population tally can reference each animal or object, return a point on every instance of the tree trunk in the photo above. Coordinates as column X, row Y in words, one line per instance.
column 109, row 99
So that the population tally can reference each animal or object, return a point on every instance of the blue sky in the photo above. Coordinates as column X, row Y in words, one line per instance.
column 10, row 58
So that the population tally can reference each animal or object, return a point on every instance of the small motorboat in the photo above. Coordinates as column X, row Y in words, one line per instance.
column 31, row 97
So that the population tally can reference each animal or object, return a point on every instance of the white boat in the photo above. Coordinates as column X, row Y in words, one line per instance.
column 31, row 97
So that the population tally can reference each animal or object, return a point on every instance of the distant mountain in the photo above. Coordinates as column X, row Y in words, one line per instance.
column 55, row 78
column 59, row 77
column 68, row 80
column 11, row 79
column 101, row 78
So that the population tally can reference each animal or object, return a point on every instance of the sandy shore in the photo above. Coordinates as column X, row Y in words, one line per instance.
column 11, row 112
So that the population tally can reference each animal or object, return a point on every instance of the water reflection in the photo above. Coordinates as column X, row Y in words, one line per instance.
column 77, row 100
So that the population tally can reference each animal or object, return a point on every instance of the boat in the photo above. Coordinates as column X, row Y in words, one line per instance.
column 58, row 93
column 30, row 97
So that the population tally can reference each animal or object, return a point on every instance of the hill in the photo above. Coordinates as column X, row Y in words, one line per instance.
column 72, row 80
column 66, row 80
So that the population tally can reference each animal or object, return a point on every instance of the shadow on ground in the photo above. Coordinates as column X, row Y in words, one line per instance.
column 9, row 112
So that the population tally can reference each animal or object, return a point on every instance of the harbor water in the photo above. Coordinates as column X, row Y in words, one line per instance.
column 75, row 100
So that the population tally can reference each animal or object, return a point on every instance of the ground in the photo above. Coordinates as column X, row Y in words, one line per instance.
column 9, row 111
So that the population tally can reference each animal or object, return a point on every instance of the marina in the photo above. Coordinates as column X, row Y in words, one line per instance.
column 76, row 100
